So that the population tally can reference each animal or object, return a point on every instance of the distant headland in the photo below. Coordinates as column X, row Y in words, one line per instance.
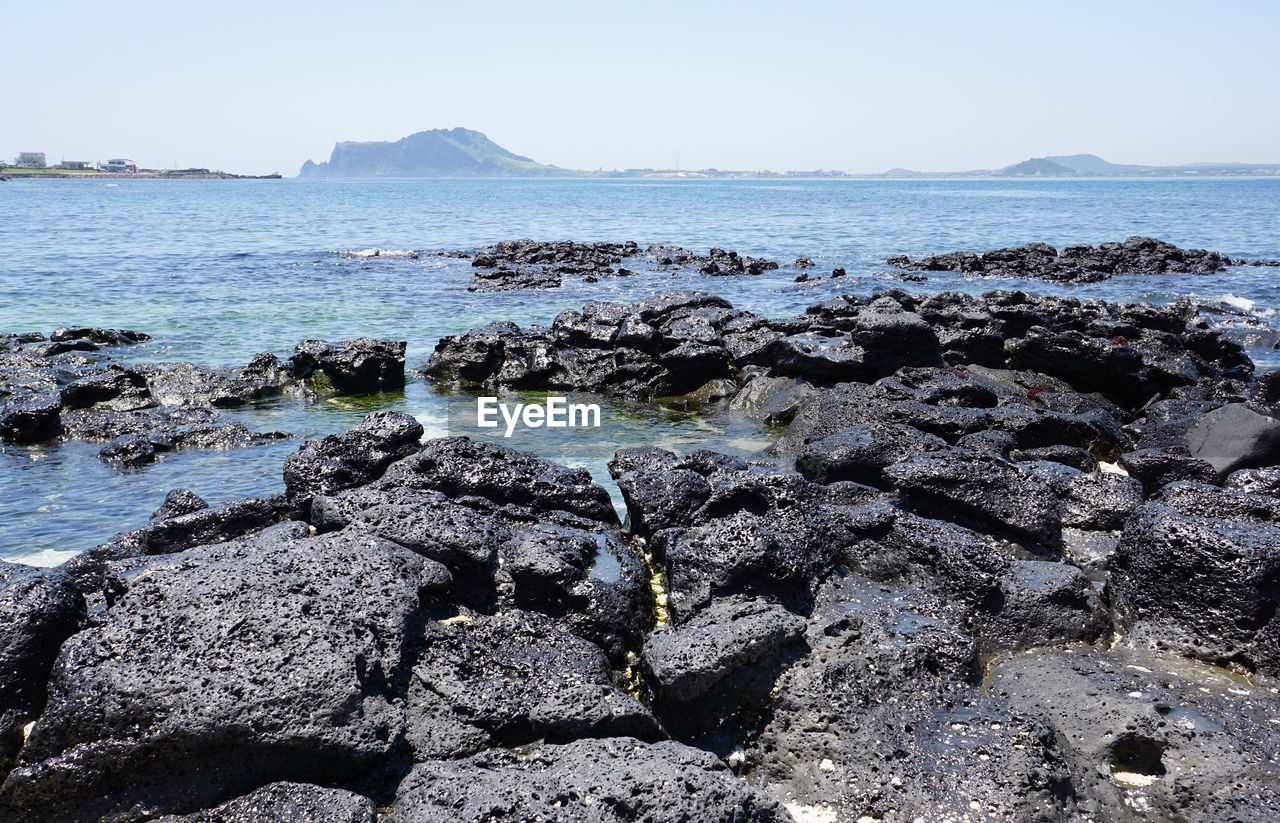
column 460, row 152
column 435, row 153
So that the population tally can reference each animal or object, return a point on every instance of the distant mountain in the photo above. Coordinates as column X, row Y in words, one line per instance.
column 435, row 153
column 1037, row 167
column 1093, row 164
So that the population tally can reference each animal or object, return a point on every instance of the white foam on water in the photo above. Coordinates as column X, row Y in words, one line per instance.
column 45, row 558
column 1242, row 303
column 365, row 253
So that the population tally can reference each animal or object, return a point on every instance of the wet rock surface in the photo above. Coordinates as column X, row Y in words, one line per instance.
column 1076, row 264
column 360, row 366
column 1152, row 736
column 66, row 387
column 1196, row 571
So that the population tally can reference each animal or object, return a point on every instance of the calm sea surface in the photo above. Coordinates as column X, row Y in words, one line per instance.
column 218, row 270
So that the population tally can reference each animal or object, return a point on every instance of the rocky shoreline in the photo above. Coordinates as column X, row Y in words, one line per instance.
column 66, row 387
column 1080, row 263
column 1012, row 558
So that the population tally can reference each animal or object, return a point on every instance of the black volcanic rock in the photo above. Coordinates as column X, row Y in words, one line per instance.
column 861, row 453
column 1008, row 495
column 1075, row 264
column 1042, row 603
column 883, row 720
column 460, row 631
column 103, row 337
column 128, row 450
column 1235, row 437
column 221, row 669
column 360, row 366
column 287, row 803
column 1187, row 741
column 511, row 680
column 349, row 459
column 1063, row 351
column 724, row 660
column 39, row 609
column 1155, row 468
column 514, row 531
column 588, row 781
column 181, row 523
column 30, row 418
column 1195, row 571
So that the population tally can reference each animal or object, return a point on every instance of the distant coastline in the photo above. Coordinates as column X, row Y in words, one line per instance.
column 461, row 152
column 185, row 174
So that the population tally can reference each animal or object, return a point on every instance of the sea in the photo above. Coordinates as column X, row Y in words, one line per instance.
column 218, row 270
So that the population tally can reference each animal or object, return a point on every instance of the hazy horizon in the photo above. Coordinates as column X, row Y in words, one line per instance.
column 857, row 87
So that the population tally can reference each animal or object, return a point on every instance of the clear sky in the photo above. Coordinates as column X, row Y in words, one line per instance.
column 258, row 87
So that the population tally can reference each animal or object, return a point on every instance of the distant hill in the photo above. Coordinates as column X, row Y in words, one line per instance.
column 1036, row 166
column 1091, row 165
column 436, row 153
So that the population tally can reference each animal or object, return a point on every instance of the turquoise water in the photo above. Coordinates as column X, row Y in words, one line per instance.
column 219, row 270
